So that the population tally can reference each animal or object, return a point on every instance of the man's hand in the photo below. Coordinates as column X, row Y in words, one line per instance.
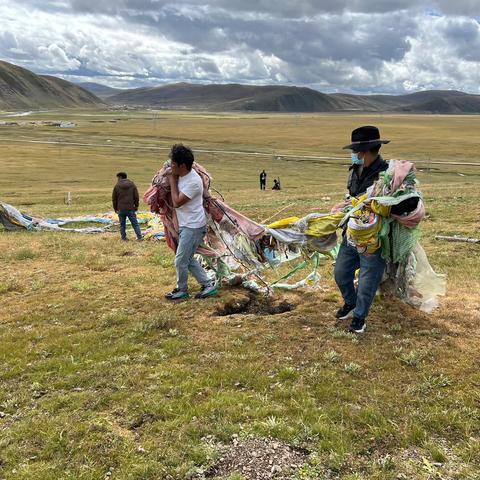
column 367, row 204
column 172, row 179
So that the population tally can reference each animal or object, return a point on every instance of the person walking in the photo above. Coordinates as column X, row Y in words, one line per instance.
column 263, row 179
column 125, row 202
column 186, row 187
column 364, row 171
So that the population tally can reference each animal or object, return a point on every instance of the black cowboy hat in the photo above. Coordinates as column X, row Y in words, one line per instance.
column 365, row 138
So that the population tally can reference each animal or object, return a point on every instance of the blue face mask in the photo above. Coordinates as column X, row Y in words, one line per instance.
column 356, row 160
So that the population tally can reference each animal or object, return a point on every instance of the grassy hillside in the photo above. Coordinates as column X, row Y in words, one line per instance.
column 22, row 89
column 100, row 377
column 229, row 98
column 101, row 91
column 273, row 98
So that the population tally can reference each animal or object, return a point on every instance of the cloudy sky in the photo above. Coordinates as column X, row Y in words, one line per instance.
column 359, row 46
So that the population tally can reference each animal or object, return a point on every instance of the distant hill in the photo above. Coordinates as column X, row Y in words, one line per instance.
column 277, row 98
column 429, row 101
column 101, row 91
column 229, row 97
column 22, row 89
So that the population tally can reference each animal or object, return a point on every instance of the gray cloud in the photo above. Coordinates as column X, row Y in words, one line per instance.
column 333, row 45
column 285, row 8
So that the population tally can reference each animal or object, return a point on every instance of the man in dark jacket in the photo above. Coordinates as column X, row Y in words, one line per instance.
column 125, row 203
column 263, row 179
column 365, row 170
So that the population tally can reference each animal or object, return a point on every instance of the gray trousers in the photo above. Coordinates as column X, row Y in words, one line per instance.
column 188, row 242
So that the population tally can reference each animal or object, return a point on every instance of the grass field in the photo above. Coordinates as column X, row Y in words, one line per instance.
column 101, row 378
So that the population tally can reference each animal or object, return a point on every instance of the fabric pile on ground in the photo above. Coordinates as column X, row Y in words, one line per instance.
column 12, row 219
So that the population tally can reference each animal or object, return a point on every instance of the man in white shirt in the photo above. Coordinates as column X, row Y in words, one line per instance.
column 187, row 196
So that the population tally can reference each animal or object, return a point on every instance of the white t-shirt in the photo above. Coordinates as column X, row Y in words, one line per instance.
column 191, row 214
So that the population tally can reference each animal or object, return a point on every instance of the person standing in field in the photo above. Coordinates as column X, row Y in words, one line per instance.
column 125, row 202
column 364, row 171
column 186, row 188
column 263, row 179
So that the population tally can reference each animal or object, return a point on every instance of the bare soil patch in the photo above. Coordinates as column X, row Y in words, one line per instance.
column 255, row 304
column 258, row 459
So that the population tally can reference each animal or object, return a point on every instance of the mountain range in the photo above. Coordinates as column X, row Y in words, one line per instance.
column 22, row 89
column 273, row 98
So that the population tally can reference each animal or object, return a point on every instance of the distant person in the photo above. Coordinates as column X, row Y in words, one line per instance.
column 276, row 184
column 187, row 197
column 263, row 179
column 125, row 203
column 364, row 171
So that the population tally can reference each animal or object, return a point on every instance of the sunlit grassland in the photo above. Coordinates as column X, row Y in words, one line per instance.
column 98, row 371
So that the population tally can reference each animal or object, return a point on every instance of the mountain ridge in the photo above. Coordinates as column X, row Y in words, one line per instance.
column 22, row 89
column 280, row 98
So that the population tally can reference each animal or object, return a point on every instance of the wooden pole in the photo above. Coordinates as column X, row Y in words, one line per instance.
column 275, row 214
column 455, row 238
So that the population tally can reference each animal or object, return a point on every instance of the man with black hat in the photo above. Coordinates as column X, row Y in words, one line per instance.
column 364, row 171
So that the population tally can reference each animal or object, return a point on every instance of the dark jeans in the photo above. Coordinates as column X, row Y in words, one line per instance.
column 262, row 185
column 371, row 271
column 132, row 216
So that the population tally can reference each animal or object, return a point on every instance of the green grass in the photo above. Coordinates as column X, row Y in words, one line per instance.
column 98, row 373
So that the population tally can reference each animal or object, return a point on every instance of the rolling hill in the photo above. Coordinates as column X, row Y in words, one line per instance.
column 273, row 98
column 22, row 89
column 101, row 91
column 229, row 97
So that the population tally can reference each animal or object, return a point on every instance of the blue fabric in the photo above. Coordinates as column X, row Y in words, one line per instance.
column 189, row 240
column 371, row 267
column 132, row 216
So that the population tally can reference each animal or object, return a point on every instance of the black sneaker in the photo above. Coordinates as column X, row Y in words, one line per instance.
column 345, row 312
column 357, row 326
column 176, row 294
column 207, row 291
column 169, row 294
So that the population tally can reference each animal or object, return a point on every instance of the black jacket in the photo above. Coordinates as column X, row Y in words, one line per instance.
column 358, row 183
column 125, row 196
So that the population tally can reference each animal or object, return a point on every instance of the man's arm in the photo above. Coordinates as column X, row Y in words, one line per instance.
column 114, row 199
column 178, row 198
column 136, row 198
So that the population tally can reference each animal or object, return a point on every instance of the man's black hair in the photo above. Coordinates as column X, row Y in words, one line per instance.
column 182, row 155
column 122, row 175
column 375, row 149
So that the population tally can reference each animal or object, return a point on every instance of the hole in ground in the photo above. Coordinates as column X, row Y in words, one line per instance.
column 254, row 304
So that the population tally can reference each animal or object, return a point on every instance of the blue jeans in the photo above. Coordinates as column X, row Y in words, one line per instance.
column 371, row 271
column 188, row 241
column 132, row 216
